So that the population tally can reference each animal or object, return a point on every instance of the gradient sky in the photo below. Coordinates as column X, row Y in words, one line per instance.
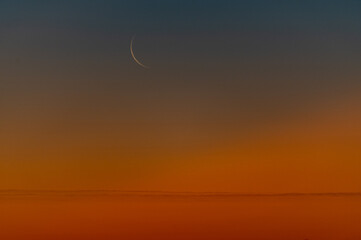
column 245, row 96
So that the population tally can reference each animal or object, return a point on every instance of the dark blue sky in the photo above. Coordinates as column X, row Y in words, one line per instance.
column 173, row 16
column 244, row 52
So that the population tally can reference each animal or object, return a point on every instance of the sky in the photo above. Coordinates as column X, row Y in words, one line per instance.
column 241, row 96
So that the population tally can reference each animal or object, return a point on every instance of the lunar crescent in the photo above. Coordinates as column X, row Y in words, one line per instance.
column 134, row 58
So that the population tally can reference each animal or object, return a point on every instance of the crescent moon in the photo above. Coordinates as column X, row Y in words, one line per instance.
column 133, row 56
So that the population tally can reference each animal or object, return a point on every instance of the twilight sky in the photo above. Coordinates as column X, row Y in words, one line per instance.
column 249, row 96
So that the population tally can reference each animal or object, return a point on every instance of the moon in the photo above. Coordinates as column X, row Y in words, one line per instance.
column 133, row 56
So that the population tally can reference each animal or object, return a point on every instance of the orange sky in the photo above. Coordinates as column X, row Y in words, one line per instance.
column 316, row 151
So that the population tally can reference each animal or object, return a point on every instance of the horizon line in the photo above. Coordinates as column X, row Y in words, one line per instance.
column 107, row 192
